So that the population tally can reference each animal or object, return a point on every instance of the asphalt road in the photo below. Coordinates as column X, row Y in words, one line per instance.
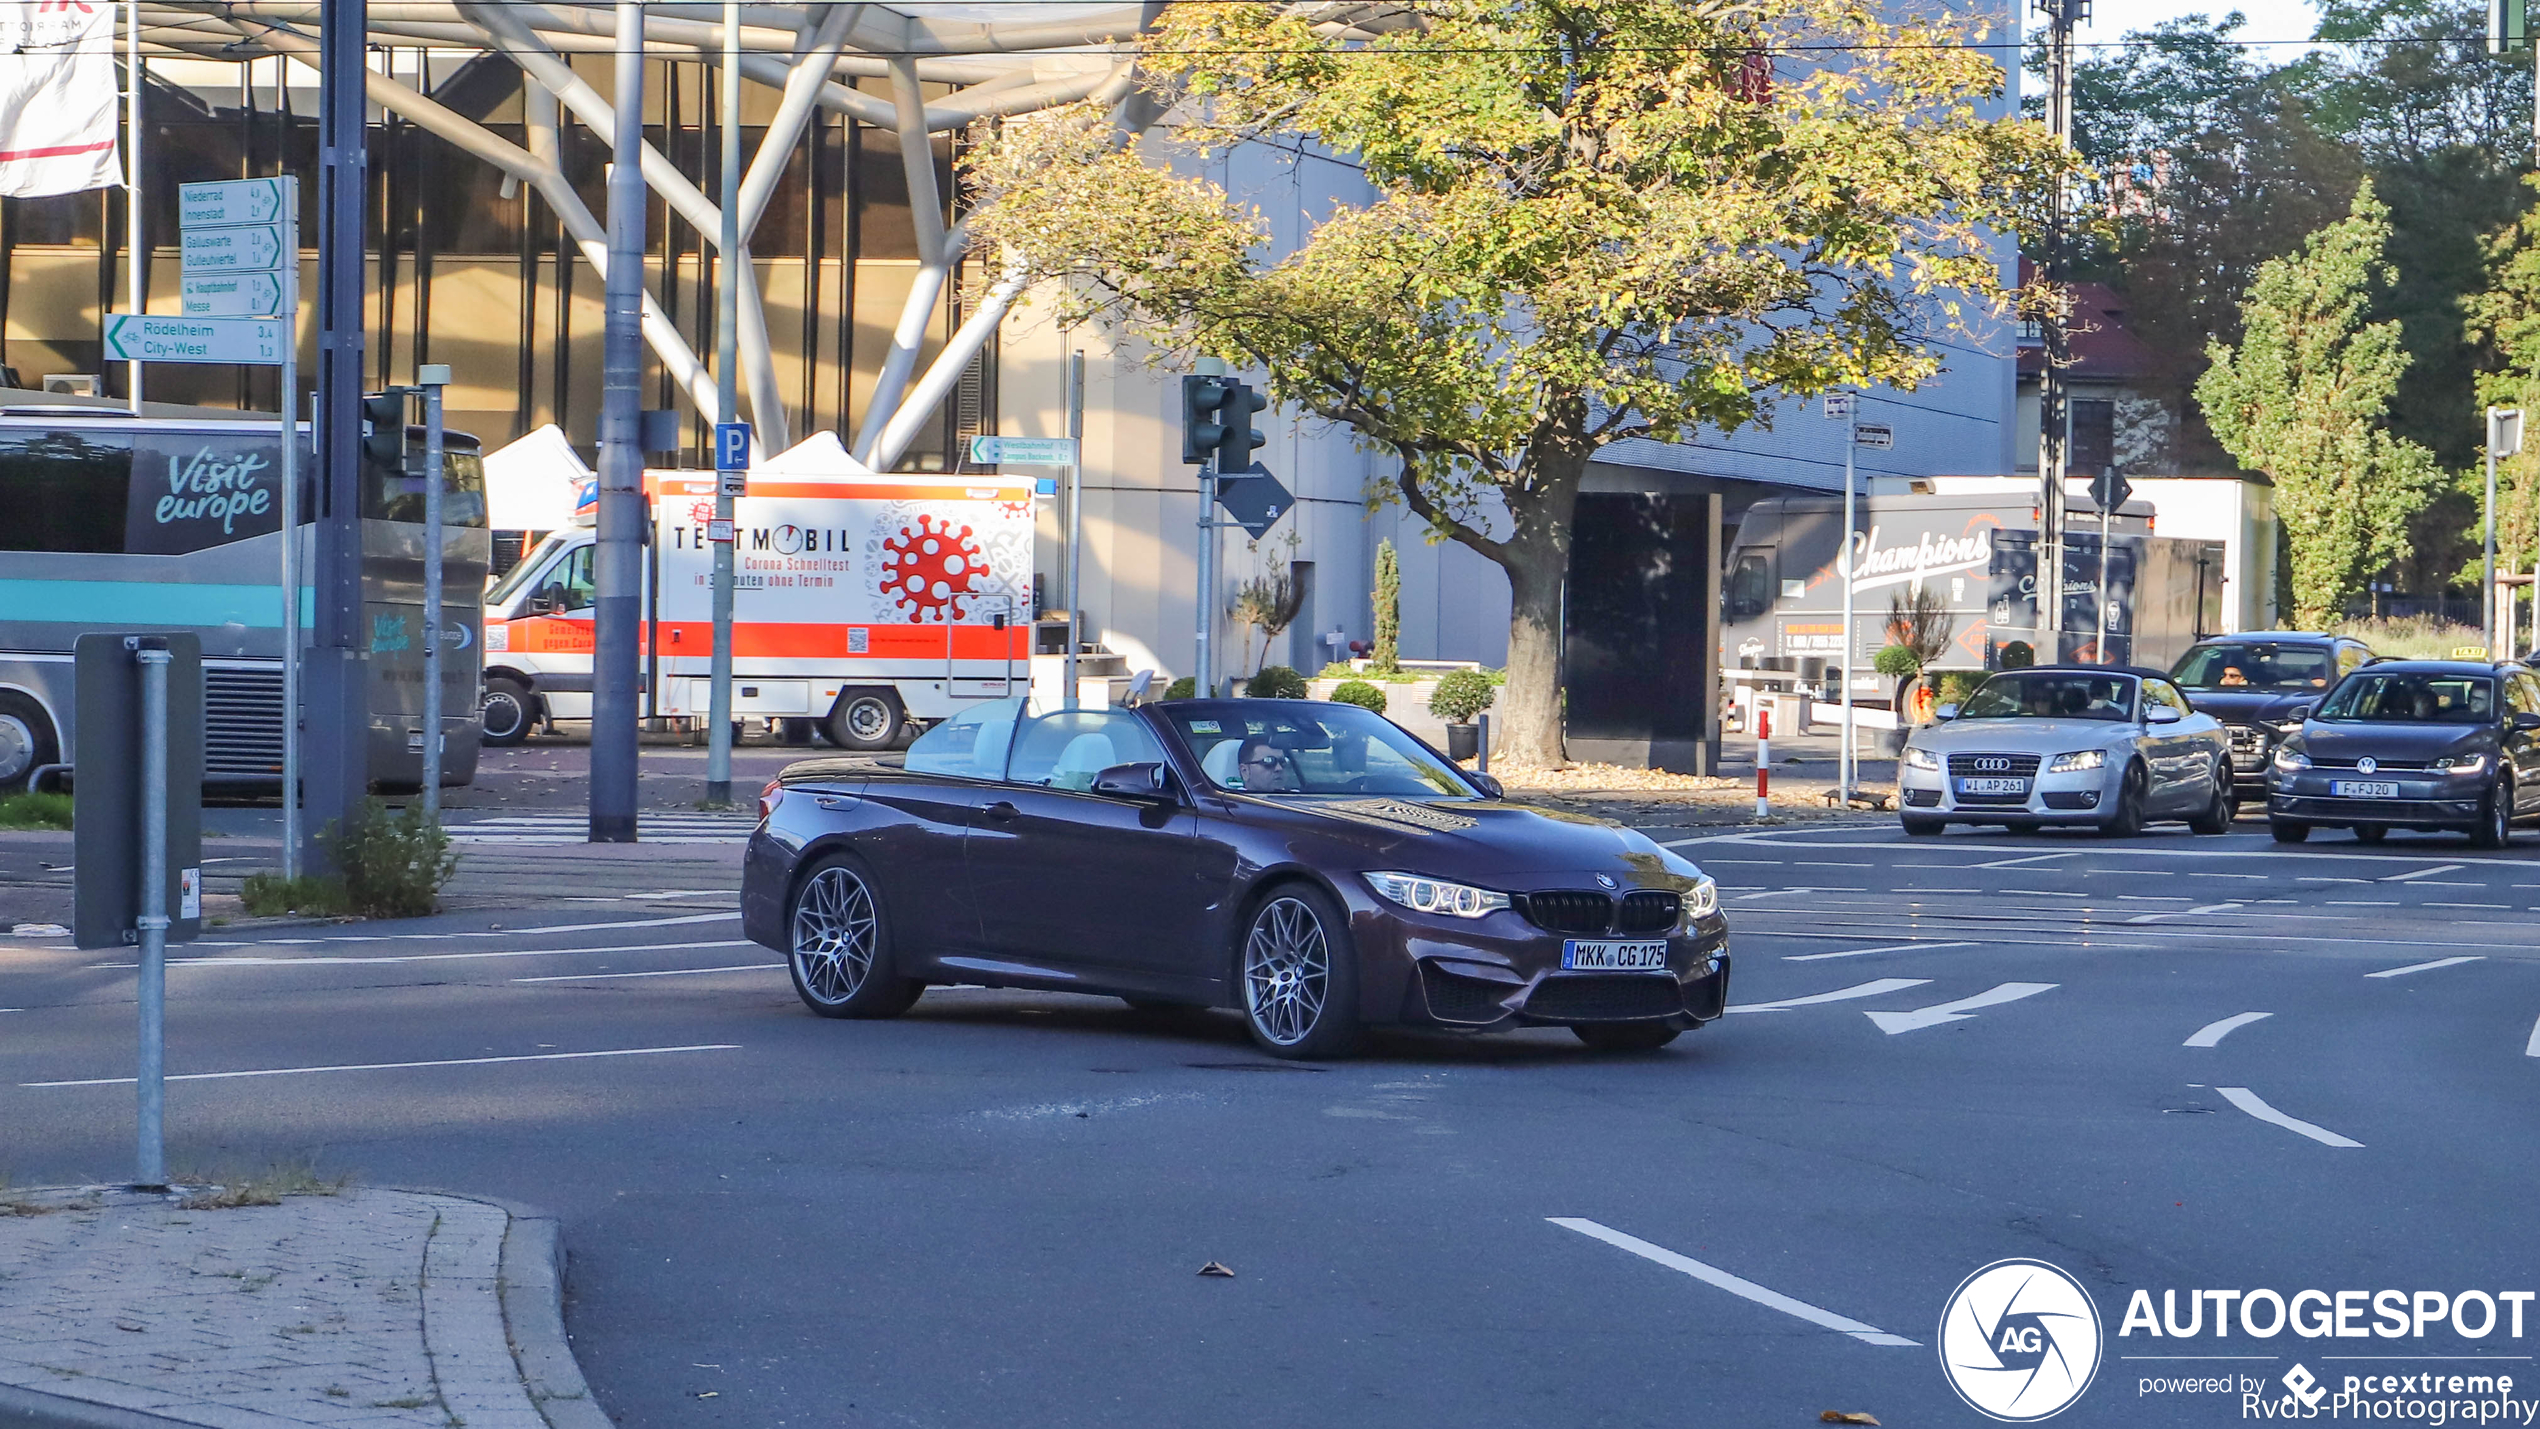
column 992, row 1211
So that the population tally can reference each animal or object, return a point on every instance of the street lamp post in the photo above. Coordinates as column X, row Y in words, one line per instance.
column 2504, row 438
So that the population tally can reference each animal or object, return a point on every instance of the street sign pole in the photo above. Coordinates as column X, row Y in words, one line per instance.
column 290, row 405
column 1075, row 513
column 1844, row 409
column 2099, row 642
column 337, row 765
column 1203, row 677
column 432, row 377
column 728, row 424
column 152, row 922
column 617, row 565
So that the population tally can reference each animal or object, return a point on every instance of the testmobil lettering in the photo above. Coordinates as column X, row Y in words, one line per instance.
column 1930, row 555
column 2328, row 1314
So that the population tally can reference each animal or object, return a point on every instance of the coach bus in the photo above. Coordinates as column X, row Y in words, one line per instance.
column 172, row 520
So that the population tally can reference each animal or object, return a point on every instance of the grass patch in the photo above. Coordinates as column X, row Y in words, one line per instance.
column 35, row 811
column 270, row 895
column 16, row 1202
column 2416, row 637
column 265, row 1188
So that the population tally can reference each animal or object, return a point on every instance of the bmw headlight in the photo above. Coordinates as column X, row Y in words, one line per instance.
column 1917, row 757
column 1701, row 901
column 2462, row 763
column 2077, row 761
column 2289, row 760
column 1430, row 895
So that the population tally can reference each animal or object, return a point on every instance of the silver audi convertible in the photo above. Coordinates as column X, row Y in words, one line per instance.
column 2105, row 746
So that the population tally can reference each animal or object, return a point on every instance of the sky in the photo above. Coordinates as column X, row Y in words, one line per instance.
column 2279, row 20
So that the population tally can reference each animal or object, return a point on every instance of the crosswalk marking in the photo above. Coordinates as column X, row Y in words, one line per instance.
column 558, row 829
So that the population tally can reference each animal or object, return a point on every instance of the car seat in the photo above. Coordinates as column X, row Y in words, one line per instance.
column 1219, row 763
column 1084, row 757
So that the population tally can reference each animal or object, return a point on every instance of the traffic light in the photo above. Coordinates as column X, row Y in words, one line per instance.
column 1203, row 404
column 1239, row 436
column 384, row 428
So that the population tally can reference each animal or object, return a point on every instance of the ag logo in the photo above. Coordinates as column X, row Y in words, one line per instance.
column 2019, row 1340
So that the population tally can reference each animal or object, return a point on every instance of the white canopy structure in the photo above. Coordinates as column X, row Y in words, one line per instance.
column 532, row 484
column 1000, row 60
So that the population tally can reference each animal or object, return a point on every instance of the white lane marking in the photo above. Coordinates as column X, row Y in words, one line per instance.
column 1786, row 892
column 2204, row 851
column 2415, row 874
column 2188, row 913
column 2016, row 862
column 2423, row 967
column 2324, row 878
column 1879, row 988
column 2468, row 905
column 1734, row 1284
column 525, row 932
column 2532, row 1047
column 2150, row 898
column 2212, row 1033
column 400, row 1066
column 2361, row 902
column 1892, row 1023
column 2037, row 893
column 1940, row 890
column 2256, row 1106
column 343, row 960
column 1864, row 952
column 668, row 972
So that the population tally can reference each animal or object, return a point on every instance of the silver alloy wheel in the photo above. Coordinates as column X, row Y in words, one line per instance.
column 1287, row 971
column 834, row 936
column 17, row 749
column 504, row 715
column 869, row 718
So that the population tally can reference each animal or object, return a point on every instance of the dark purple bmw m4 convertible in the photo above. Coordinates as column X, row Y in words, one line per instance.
column 1309, row 865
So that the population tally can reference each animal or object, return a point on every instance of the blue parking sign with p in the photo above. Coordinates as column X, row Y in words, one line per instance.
column 731, row 446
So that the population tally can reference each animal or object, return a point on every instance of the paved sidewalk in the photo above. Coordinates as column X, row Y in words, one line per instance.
column 370, row 1308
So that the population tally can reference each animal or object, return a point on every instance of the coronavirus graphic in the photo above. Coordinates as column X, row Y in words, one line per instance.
column 929, row 566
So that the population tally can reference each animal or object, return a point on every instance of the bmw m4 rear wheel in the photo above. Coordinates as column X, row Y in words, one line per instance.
column 838, row 948
column 1300, row 975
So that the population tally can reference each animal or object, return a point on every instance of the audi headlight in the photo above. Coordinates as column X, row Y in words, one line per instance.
column 2462, row 763
column 2290, row 760
column 1917, row 757
column 1430, row 895
column 2077, row 761
column 1701, row 901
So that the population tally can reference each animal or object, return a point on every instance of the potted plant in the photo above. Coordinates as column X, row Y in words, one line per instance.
column 1459, row 699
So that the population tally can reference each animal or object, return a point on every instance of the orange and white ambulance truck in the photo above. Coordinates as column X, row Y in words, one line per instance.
column 857, row 604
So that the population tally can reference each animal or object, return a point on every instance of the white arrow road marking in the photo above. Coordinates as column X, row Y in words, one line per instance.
column 1892, row 1023
column 2256, row 1106
column 1734, row 1284
column 2423, row 967
column 2420, row 873
column 1879, row 988
column 2212, row 1033
column 1860, row 952
column 2187, row 913
column 2016, row 862
column 2532, row 1047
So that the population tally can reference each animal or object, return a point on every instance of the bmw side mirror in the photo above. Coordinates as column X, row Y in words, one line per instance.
column 1945, row 712
column 1148, row 782
column 1491, row 787
column 2160, row 714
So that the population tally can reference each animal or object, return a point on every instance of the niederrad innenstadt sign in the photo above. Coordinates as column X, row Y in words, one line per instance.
column 154, row 338
column 236, row 201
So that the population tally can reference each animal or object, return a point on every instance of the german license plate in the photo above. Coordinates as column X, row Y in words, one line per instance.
column 1597, row 955
column 1993, row 786
column 2363, row 788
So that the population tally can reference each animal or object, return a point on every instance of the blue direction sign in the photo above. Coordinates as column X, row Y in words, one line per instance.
column 154, row 338
column 246, row 248
column 1024, row 451
column 731, row 446
column 231, row 295
column 236, row 201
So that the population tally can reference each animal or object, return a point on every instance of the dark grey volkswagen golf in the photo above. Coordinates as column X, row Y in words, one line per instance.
column 2414, row 744
column 1309, row 865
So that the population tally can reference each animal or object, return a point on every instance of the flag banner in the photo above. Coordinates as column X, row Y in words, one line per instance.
column 58, row 97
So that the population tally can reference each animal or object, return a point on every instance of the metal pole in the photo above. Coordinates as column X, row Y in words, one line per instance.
column 291, row 553
column 151, row 1163
column 2100, row 640
column 617, row 615
column 337, row 707
column 2054, row 423
column 1075, row 513
column 1851, row 642
column 727, row 348
column 2487, row 567
column 432, row 376
column 134, row 269
column 1204, row 678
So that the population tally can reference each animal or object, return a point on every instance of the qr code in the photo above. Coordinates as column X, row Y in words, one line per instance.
column 859, row 640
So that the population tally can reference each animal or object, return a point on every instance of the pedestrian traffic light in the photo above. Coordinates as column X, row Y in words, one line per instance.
column 1239, row 436
column 384, row 420
column 1203, row 407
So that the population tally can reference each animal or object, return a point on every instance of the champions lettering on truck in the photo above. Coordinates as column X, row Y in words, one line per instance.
column 860, row 604
column 1784, row 587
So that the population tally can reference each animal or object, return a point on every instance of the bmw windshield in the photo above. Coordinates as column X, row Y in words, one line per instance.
column 2052, row 695
column 1309, row 747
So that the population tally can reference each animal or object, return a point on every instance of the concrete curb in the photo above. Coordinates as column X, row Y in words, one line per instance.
column 533, row 1313
column 28, row 1409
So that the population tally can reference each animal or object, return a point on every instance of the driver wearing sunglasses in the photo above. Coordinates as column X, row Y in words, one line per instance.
column 1262, row 767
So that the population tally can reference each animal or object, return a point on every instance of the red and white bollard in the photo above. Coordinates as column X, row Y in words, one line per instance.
column 1763, row 759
